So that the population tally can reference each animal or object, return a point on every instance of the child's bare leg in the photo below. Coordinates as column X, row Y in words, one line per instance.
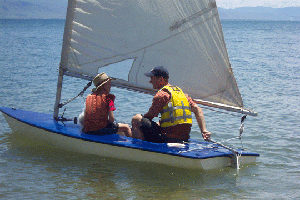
column 124, row 128
column 136, row 124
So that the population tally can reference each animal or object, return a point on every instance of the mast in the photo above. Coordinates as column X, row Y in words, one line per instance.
column 64, row 53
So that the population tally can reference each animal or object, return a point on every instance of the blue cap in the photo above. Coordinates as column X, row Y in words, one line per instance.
column 158, row 71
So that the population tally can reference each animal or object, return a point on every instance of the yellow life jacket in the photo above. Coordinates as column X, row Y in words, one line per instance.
column 178, row 110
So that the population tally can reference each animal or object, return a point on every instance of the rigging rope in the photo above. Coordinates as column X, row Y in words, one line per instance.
column 80, row 94
column 241, row 129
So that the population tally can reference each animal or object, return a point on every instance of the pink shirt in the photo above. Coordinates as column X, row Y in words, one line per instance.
column 111, row 105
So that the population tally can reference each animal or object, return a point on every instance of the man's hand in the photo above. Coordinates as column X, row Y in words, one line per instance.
column 206, row 135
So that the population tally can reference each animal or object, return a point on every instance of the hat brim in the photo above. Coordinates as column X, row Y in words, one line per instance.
column 97, row 88
column 149, row 74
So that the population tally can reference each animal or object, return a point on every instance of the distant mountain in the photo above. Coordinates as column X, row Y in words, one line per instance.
column 56, row 9
column 261, row 13
column 16, row 9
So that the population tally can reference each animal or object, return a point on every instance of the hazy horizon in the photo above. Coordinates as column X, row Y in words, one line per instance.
column 225, row 4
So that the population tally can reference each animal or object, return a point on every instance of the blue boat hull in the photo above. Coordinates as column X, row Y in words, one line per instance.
column 67, row 135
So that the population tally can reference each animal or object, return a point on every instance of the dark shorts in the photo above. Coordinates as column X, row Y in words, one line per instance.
column 151, row 131
column 111, row 128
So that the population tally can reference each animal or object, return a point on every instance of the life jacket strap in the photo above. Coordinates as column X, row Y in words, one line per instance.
column 177, row 118
column 170, row 109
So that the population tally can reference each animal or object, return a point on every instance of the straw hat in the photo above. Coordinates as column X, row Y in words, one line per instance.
column 100, row 80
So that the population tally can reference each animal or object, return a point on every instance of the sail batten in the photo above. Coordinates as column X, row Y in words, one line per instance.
column 185, row 36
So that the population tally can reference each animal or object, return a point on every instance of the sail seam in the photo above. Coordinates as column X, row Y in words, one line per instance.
column 196, row 15
column 136, row 76
column 227, row 83
column 203, row 97
column 222, row 92
column 74, row 56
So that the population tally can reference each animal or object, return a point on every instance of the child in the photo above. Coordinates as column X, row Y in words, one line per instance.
column 98, row 116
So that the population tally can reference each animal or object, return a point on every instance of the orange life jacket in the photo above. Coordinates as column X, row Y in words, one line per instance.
column 96, row 111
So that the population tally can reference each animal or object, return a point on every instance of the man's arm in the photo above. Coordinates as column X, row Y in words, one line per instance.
column 160, row 99
column 201, row 122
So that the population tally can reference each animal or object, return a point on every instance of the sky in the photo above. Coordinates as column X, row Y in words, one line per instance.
column 254, row 3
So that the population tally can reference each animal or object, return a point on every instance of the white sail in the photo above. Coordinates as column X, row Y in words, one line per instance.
column 185, row 36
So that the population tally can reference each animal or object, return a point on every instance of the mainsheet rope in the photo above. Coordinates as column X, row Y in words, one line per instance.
column 241, row 129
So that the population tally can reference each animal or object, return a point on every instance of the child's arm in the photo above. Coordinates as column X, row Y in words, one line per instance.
column 111, row 117
column 112, row 107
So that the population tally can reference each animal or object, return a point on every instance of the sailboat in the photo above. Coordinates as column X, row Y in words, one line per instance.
column 185, row 36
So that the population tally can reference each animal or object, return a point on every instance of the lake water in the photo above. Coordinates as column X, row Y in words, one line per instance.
column 265, row 57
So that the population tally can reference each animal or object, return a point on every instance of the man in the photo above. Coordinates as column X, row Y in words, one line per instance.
column 175, row 108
